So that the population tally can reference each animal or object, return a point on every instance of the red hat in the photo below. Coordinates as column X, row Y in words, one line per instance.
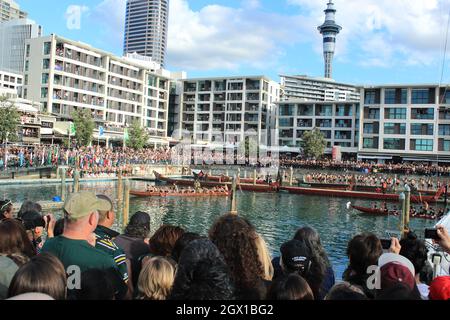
column 440, row 288
column 394, row 273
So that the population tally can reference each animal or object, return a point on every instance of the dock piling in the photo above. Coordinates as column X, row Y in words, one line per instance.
column 76, row 181
column 126, row 206
column 233, row 209
column 63, row 184
column 291, row 176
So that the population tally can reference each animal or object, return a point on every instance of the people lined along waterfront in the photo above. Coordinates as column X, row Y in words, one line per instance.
column 85, row 158
column 372, row 180
column 369, row 167
column 231, row 261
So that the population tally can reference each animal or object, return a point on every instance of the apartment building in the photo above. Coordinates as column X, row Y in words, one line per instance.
column 10, row 84
column 338, row 121
column 65, row 75
column 317, row 89
column 405, row 123
column 10, row 10
column 228, row 109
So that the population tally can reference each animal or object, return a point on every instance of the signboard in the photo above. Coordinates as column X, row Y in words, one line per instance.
column 47, row 127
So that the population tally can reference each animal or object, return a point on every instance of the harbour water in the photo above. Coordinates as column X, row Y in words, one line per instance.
column 275, row 216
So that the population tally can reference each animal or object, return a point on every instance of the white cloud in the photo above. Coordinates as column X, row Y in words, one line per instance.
column 110, row 15
column 220, row 37
column 385, row 32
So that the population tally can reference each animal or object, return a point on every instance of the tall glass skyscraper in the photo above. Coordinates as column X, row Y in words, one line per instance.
column 146, row 27
column 13, row 35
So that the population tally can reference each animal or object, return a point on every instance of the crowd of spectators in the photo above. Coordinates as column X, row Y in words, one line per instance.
column 230, row 261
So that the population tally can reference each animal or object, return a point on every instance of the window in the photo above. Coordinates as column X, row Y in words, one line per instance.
column 394, row 128
column 370, row 97
column 368, row 143
column 46, row 64
column 26, row 79
column 422, row 145
column 446, row 145
column 287, row 110
column 27, row 65
column 444, row 129
column 394, row 144
column 422, row 114
column 421, row 96
column 395, row 113
column 44, row 92
column 395, row 96
column 44, row 78
column 47, row 47
column 419, row 129
column 28, row 50
column 286, row 122
column 368, row 128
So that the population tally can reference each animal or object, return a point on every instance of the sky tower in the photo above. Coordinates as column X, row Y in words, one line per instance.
column 329, row 30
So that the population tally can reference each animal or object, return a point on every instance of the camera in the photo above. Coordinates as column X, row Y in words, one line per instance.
column 385, row 243
column 431, row 234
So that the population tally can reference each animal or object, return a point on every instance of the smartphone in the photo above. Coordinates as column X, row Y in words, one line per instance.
column 431, row 234
column 386, row 243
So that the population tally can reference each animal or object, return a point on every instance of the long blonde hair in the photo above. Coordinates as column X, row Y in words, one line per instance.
column 156, row 279
column 264, row 257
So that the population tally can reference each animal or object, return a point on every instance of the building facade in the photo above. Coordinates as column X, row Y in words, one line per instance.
column 10, row 84
column 146, row 25
column 227, row 110
column 337, row 121
column 10, row 10
column 13, row 35
column 65, row 75
column 317, row 89
column 405, row 123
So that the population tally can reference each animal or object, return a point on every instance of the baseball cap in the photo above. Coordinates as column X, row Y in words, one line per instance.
column 395, row 268
column 81, row 204
column 296, row 255
column 440, row 288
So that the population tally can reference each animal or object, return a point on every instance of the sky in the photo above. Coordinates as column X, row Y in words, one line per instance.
column 382, row 41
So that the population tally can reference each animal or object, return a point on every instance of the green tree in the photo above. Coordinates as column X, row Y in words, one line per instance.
column 84, row 126
column 313, row 144
column 138, row 136
column 9, row 120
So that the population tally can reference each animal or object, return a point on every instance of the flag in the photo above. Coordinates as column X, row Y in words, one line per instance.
column 126, row 136
column 101, row 131
column 72, row 130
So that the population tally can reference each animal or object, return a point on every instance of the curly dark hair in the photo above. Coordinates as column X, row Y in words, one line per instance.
column 164, row 239
column 202, row 274
column 415, row 250
column 183, row 242
column 235, row 237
